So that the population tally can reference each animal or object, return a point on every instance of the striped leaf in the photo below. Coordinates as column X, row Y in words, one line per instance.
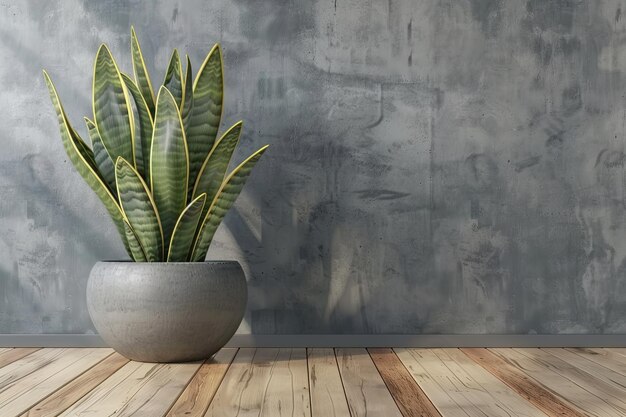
column 214, row 168
column 174, row 78
column 137, row 251
column 185, row 230
column 139, row 209
column 101, row 156
column 142, row 78
column 83, row 147
column 146, row 125
column 223, row 201
column 169, row 167
column 204, row 122
column 187, row 96
column 111, row 107
column 83, row 162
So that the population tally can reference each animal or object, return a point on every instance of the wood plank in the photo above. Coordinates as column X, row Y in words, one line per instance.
column 11, row 355
column 62, row 399
column 264, row 382
column 620, row 351
column 505, row 397
column 28, row 364
column 98, row 393
column 195, row 399
column 287, row 393
column 365, row 390
column 611, row 354
column 20, row 395
column 558, row 383
column 567, row 381
column 137, row 389
column 409, row 397
column 467, row 393
column 525, row 386
column 602, row 357
column 327, row 395
column 446, row 401
column 609, row 376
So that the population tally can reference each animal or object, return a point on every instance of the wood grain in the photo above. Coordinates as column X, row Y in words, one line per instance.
column 136, row 389
column 409, row 397
column 264, row 382
column 556, row 382
column 21, row 394
column 504, row 397
column 463, row 381
column 28, row 364
column 449, row 403
column 602, row 373
column 525, row 386
column 607, row 355
column 62, row 399
column 287, row 393
column 605, row 358
column 365, row 390
column 11, row 355
column 570, row 382
column 619, row 351
column 327, row 396
column 195, row 399
column 576, row 386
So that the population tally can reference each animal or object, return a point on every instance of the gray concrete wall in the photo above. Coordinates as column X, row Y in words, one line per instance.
column 437, row 166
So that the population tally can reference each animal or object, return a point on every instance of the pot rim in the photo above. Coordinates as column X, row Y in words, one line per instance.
column 107, row 261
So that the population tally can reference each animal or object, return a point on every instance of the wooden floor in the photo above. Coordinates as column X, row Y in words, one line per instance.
column 318, row 383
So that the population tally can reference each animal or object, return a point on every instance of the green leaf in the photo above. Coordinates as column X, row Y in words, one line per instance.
column 223, row 201
column 138, row 253
column 169, row 166
column 214, row 168
column 83, row 147
column 185, row 230
column 101, row 156
column 111, row 107
column 83, row 162
column 204, row 122
column 139, row 209
column 187, row 96
column 142, row 78
column 174, row 78
column 146, row 125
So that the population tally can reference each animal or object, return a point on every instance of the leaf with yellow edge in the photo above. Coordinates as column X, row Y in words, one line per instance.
column 187, row 105
column 185, row 230
column 169, row 167
column 223, row 201
column 206, row 114
column 142, row 78
column 174, row 78
column 214, row 168
column 101, row 156
column 83, row 162
column 134, row 244
column 139, row 209
column 146, row 125
column 111, row 107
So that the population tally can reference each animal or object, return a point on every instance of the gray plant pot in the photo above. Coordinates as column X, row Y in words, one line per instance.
column 167, row 312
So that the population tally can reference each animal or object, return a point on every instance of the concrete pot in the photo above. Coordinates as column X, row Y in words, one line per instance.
column 166, row 312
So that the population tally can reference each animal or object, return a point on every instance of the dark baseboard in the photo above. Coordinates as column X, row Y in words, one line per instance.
column 343, row 340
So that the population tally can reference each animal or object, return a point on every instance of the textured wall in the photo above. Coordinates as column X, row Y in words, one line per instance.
column 437, row 166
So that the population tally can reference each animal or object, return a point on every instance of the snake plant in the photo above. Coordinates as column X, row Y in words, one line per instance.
column 156, row 162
